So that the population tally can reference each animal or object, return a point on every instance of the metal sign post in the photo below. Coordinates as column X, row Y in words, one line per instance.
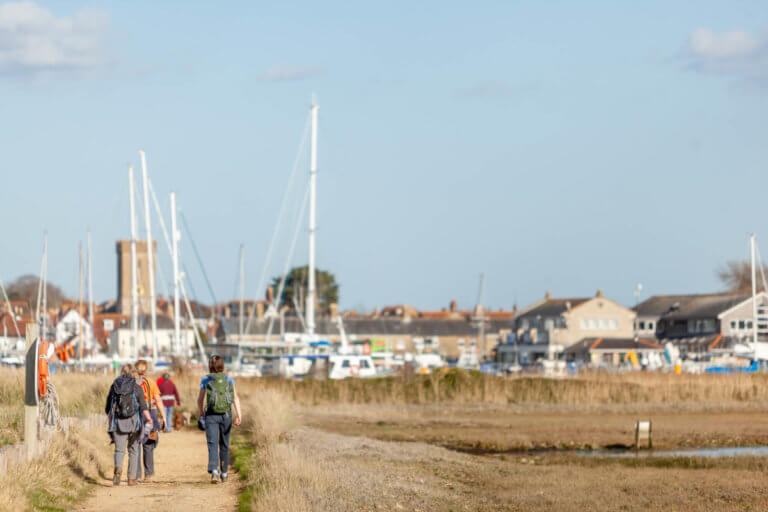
column 30, row 391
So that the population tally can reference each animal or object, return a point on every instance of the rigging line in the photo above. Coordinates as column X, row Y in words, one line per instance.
column 160, row 216
column 761, row 267
column 197, row 256
column 10, row 310
column 281, row 215
column 277, row 297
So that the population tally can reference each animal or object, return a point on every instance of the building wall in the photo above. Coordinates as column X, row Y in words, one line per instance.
column 738, row 322
column 646, row 325
column 121, row 341
column 447, row 346
column 596, row 318
column 123, row 248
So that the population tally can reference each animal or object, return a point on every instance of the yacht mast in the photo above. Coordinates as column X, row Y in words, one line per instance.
column 80, row 303
column 150, row 255
column 89, row 268
column 754, row 290
column 240, row 316
column 175, row 255
column 134, row 277
column 310, row 306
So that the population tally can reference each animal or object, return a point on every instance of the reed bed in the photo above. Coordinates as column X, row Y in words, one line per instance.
column 459, row 386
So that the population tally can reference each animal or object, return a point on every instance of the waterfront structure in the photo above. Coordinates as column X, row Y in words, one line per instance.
column 402, row 328
column 703, row 323
column 547, row 327
column 611, row 351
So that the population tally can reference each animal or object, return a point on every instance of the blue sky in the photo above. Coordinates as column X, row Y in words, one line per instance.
column 567, row 146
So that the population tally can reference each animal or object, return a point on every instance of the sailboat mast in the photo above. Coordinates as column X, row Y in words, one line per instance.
column 754, row 293
column 175, row 255
column 481, row 311
column 242, row 290
column 150, row 255
column 310, row 306
column 80, row 303
column 134, row 277
column 89, row 268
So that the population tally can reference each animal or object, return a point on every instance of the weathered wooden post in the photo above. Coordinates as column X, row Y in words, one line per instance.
column 30, row 391
column 643, row 433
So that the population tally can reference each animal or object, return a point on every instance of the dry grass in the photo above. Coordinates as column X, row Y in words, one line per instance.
column 458, row 386
column 79, row 394
column 59, row 479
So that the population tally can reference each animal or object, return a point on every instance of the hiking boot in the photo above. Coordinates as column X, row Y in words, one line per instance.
column 215, row 476
column 116, row 478
column 131, row 481
column 224, row 477
column 147, row 478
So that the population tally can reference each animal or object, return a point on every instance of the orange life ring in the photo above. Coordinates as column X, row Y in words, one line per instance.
column 367, row 348
column 42, row 368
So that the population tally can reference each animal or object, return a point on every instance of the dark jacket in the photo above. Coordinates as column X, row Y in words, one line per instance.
column 168, row 391
column 137, row 390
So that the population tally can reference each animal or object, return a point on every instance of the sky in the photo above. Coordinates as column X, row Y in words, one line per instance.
column 563, row 146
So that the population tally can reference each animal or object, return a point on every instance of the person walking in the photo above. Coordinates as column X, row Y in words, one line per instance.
column 124, row 409
column 157, row 412
column 214, row 408
column 169, row 394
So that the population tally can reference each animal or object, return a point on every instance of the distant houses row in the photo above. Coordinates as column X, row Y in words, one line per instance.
column 599, row 330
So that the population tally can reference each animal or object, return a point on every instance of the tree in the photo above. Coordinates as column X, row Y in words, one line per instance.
column 296, row 286
column 25, row 288
column 736, row 276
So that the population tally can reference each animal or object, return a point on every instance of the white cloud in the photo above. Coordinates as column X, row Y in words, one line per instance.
column 285, row 73
column 33, row 40
column 736, row 53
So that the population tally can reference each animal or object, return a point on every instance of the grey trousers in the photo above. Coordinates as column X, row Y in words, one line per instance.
column 131, row 443
column 148, row 452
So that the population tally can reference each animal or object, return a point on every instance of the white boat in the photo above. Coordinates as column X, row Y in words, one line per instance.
column 343, row 366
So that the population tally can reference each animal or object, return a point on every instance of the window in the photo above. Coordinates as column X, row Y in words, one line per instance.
column 650, row 326
column 345, row 363
column 642, row 326
column 364, row 363
column 749, row 324
column 733, row 324
column 741, row 324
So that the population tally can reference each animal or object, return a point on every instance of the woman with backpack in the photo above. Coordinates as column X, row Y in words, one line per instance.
column 217, row 394
column 157, row 412
column 125, row 406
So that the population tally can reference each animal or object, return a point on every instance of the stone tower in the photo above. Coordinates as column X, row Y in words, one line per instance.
column 142, row 274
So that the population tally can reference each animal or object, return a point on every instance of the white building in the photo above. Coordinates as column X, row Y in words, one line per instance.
column 121, row 342
column 67, row 328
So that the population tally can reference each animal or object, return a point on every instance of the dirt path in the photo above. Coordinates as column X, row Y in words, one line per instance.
column 180, row 483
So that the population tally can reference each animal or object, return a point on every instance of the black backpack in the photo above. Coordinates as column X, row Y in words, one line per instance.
column 126, row 405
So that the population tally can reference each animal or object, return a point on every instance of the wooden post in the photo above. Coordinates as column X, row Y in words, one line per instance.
column 30, row 392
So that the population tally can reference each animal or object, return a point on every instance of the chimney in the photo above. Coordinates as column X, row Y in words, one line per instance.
column 334, row 309
column 453, row 306
column 514, row 309
column 270, row 293
column 599, row 292
column 376, row 312
column 260, row 310
column 548, row 295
